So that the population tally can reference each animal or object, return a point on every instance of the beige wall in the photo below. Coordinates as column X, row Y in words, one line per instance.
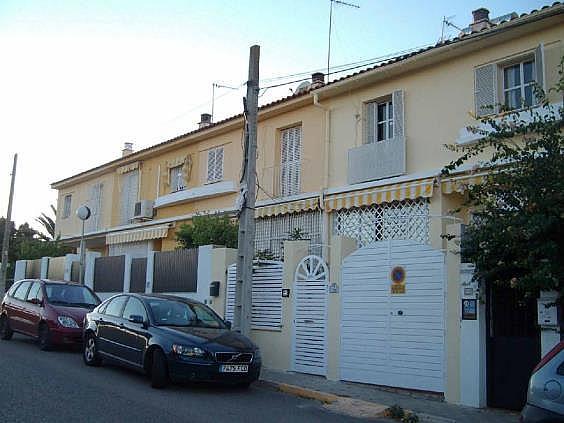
column 438, row 101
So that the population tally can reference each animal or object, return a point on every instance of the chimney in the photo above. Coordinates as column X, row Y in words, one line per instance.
column 317, row 80
column 481, row 18
column 127, row 149
column 205, row 120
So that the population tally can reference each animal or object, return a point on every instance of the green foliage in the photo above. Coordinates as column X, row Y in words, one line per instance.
column 410, row 418
column 207, row 230
column 265, row 254
column 26, row 243
column 48, row 224
column 37, row 248
column 517, row 235
column 395, row 412
column 296, row 234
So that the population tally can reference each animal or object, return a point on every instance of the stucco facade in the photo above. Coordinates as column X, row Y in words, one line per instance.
column 433, row 94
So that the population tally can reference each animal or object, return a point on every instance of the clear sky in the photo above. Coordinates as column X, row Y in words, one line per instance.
column 78, row 78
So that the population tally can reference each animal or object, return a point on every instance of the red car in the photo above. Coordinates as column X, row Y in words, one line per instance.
column 50, row 311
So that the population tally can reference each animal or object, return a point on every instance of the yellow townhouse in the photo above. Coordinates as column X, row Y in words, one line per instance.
column 350, row 170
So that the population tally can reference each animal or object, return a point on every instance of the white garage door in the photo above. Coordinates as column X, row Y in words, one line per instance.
column 393, row 339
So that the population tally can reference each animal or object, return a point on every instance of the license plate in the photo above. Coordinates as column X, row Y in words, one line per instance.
column 234, row 368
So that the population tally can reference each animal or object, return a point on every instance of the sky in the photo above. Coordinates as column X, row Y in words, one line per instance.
column 78, row 78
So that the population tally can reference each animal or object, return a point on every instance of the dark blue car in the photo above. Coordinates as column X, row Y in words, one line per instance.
column 169, row 338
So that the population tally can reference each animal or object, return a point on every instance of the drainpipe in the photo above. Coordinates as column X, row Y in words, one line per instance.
column 325, row 183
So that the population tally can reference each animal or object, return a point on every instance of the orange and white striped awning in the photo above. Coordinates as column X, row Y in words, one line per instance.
column 461, row 183
column 291, row 207
column 136, row 235
column 378, row 195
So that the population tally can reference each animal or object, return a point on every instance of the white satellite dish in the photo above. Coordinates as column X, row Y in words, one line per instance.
column 304, row 86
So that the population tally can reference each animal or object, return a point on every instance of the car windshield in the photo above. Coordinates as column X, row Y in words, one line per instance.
column 70, row 295
column 175, row 313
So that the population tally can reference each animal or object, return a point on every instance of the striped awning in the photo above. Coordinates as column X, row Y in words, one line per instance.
column 378, row 195
column 135, row 235
column 461, row 183
column 291, row 207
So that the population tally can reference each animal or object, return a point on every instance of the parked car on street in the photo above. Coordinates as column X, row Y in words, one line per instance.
column 169, row 338
column 545, row 396
column 50, row 311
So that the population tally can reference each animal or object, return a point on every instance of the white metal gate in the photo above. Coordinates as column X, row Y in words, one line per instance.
column 267, row 294
column 310, row 316
column 394, row 339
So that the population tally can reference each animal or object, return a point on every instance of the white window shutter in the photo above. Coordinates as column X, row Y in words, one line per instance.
column 290, row 161
column 219, row 164
column 399, row 122
column 370, row 126
column 539, row 66
column 485, row 89
column 211, row 165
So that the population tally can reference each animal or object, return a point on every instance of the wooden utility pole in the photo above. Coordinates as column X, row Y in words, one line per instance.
column 7, row 234
column 246, row 242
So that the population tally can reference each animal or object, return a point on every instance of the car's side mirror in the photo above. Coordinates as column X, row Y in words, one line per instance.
column 228, row 324
column 136, row 318
column 36, row 301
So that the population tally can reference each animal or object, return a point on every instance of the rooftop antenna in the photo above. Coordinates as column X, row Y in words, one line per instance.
column 214, row 86
column 447, row 21
column 330, row 27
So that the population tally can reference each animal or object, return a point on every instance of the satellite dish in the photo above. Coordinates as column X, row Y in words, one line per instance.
column 304, row 86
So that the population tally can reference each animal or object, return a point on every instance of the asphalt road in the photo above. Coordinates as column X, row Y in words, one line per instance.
column 56, row 386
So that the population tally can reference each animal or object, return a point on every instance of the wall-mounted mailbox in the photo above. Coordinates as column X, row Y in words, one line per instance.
column 214, row 289
column 547, row 314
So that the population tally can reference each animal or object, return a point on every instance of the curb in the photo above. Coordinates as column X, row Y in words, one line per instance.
column 302, row 392
column 346, row 405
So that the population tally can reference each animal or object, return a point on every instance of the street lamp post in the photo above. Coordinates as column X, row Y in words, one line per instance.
column 83, row 213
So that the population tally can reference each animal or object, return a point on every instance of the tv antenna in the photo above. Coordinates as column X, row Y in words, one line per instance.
column 214, row 86
column 342, row 3
column 447, row 21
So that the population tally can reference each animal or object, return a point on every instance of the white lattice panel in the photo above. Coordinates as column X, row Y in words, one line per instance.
column 399, row 220
column 272, row 231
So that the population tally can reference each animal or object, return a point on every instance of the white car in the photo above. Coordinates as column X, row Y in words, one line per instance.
column 545, row 396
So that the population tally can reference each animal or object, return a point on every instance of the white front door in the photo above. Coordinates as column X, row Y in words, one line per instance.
column 391, row 336
column 310, row 316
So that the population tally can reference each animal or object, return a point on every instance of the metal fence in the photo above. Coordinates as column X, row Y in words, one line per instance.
column 75, row 271
column 176, row 271
column 33, row 269
column 108, row 274
column 138, row 275
column 271, row 232
column 56, row 269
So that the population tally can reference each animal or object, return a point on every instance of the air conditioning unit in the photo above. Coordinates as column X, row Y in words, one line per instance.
column 143, row 210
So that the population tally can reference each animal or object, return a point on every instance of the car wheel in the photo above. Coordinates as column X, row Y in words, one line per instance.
column 159, row 371
column 90, row 351
column 5, row 332
column 44, row 338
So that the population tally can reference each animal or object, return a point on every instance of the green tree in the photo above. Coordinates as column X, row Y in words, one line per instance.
column 516, row 236
column 48, row 224
column 208, row 229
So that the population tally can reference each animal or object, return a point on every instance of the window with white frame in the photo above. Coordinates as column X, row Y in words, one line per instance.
column 510, row 83
column 380, row 121
column 176, row 179
column 290, row 160
column 215, row 165
column 129, row 194
column 518, row 83
column 95, row 205
column 67, row 201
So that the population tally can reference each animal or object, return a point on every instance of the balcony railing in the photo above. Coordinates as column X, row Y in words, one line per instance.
column 283, row 180
column 377, row 160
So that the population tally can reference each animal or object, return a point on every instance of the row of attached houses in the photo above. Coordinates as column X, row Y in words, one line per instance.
column 353, row 166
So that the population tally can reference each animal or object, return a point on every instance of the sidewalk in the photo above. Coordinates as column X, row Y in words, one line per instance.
column 429, row 407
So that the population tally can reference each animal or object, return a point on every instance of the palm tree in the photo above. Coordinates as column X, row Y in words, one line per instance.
column 48, row 224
